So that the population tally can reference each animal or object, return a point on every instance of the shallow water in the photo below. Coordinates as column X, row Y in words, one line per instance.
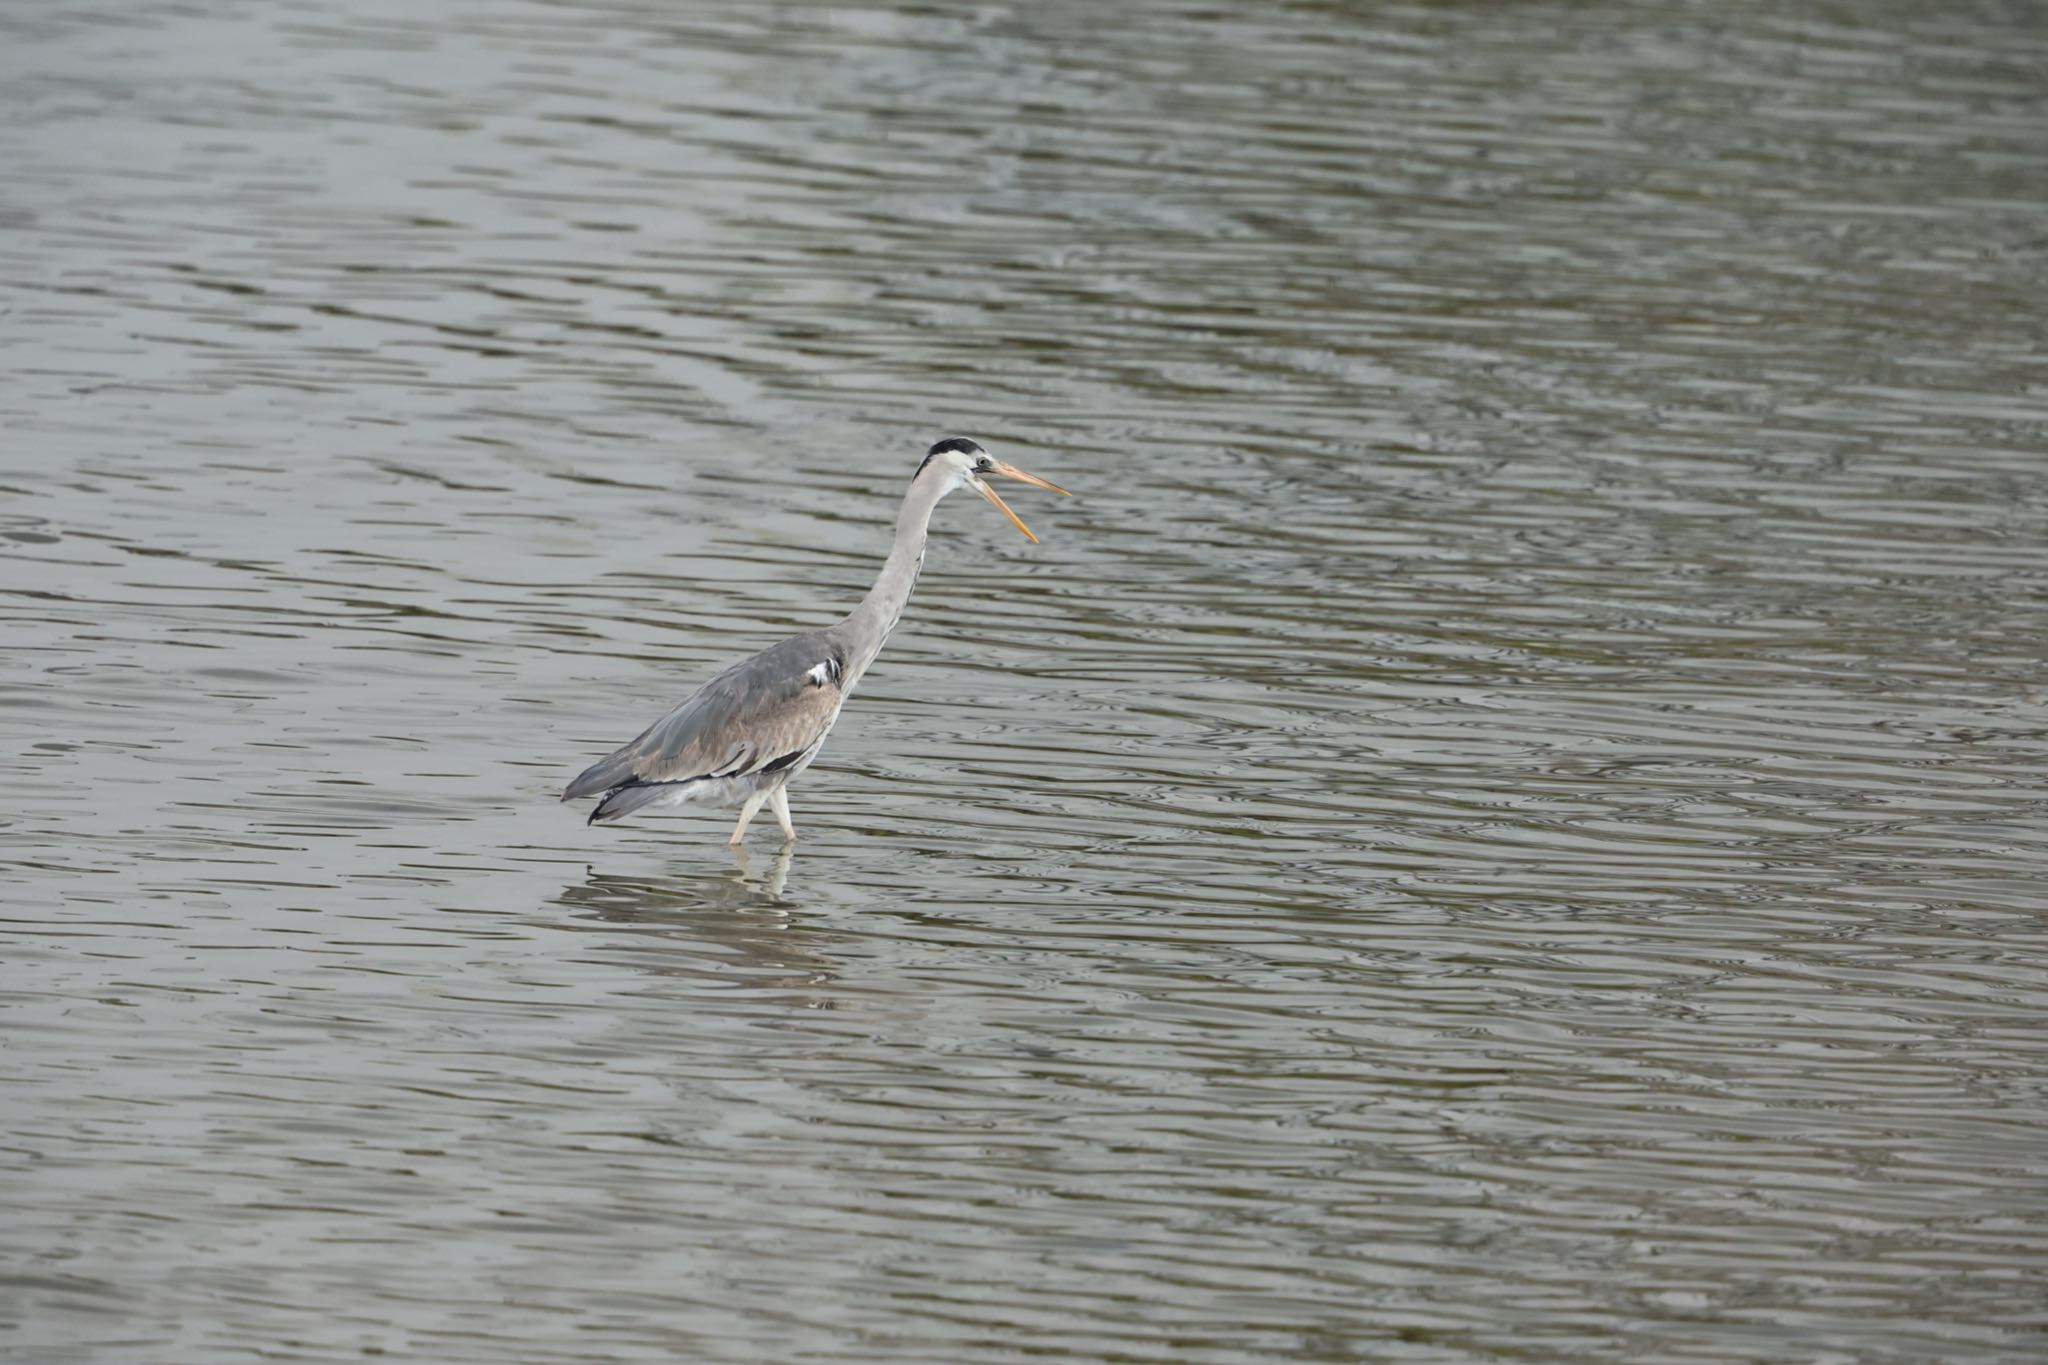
column 1507, row 819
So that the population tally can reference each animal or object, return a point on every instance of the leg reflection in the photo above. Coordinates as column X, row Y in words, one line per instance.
column 774, row 875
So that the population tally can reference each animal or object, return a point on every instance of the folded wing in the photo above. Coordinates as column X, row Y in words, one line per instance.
column 759, row 715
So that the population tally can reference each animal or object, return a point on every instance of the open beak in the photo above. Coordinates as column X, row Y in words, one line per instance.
column 1010, row 471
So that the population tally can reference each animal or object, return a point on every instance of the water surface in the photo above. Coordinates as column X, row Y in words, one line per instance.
column 1507, row 820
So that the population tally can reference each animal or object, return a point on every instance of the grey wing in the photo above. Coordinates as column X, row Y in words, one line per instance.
column 762, row 713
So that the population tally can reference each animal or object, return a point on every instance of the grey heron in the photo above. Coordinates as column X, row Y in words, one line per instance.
column 744, row 736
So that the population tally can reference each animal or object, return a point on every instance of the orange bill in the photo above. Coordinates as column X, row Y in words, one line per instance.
column 1010, row 471
column 1004, row 508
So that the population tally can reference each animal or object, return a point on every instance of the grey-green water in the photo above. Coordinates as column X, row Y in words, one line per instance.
column 1507, row 821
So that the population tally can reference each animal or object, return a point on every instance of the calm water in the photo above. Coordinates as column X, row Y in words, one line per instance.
column 1507, row 821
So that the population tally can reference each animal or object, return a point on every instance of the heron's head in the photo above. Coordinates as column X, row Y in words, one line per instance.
column 964, row 464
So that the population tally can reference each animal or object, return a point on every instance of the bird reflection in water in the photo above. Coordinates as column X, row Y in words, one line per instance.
column 773, row 877
column 733, row 926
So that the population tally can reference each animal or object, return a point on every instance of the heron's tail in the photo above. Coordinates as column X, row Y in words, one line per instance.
column 621, row 802
column 615, row 770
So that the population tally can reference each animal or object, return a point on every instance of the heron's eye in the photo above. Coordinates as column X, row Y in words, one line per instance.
column 983, row 464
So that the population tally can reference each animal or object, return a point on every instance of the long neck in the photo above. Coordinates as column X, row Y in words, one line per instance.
column 869, row 624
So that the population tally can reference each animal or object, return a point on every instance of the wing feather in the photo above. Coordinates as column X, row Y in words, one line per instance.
column 757, row 712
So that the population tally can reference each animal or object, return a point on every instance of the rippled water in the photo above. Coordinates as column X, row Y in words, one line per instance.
column 1508, row 819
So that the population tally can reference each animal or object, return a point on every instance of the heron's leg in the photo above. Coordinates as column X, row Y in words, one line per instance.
column 779, row 803
column 739, row 831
